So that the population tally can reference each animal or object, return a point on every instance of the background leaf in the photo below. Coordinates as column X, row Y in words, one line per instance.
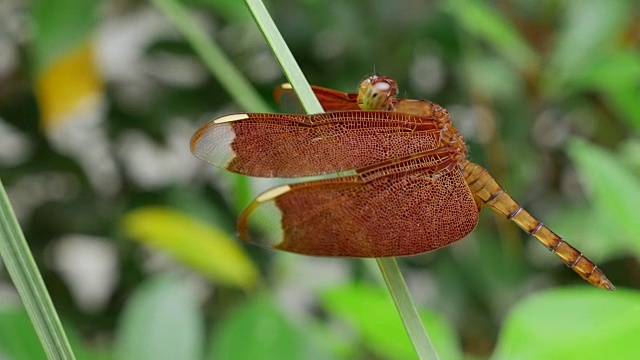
column 259, row 330
column 481, row 20
column 199, row 245
column 615, row 191
column 18, row 339
column 62, row 56
column 588, row 35
column 550, row 326
column 162, row 320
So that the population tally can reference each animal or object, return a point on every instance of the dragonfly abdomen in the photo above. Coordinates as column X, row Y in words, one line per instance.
column 487, row 191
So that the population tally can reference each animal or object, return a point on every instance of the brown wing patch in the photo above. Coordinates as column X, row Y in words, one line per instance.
column 399, row 214
column 287, row 145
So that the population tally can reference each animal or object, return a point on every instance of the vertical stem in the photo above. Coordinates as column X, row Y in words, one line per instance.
column 220, row 66
column 406, row 308
column 285, row 58
column 24, row 273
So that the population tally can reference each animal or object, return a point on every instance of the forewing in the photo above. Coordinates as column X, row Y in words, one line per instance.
column 331, row 100
column 399, row 214
column 287, row 145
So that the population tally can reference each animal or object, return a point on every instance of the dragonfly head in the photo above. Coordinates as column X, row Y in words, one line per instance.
column 377, row 93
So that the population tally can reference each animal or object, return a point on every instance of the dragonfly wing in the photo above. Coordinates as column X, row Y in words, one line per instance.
column 398, row 214
column 287, row 145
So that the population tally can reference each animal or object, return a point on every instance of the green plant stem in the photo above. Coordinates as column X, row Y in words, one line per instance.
column 285, row 57
column 388, row 266
column 219, row 65
column 24, row 273
column 406, row 308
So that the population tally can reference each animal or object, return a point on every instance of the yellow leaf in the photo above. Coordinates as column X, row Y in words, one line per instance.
column 69, row 84
column 201, row 246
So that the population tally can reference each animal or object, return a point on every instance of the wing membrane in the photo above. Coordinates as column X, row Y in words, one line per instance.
column 286, row 145
column 397, row 214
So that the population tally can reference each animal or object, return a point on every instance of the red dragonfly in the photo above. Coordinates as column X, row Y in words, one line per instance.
column 402, row 183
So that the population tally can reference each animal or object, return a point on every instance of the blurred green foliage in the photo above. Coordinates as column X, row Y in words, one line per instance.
column 547, row 94
column 569, row 331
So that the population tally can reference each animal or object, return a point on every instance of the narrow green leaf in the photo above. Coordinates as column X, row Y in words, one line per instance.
column 573, row 323
column 217, row 62
column 24, row 273
column 407, row 310
column 162, row 320
column 199, row 245
column 284, row 56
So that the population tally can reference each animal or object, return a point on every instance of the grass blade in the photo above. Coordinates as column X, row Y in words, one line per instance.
column 406, row 308
column 284, row 56
column 24, row 273
column 219, row 65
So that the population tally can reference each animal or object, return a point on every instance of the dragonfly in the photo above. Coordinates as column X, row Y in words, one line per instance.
column 399, row 179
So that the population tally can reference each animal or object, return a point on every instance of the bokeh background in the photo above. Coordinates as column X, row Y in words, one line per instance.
column 135, row 237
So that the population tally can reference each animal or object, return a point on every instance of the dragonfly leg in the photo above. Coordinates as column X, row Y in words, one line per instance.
column 488, row 192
